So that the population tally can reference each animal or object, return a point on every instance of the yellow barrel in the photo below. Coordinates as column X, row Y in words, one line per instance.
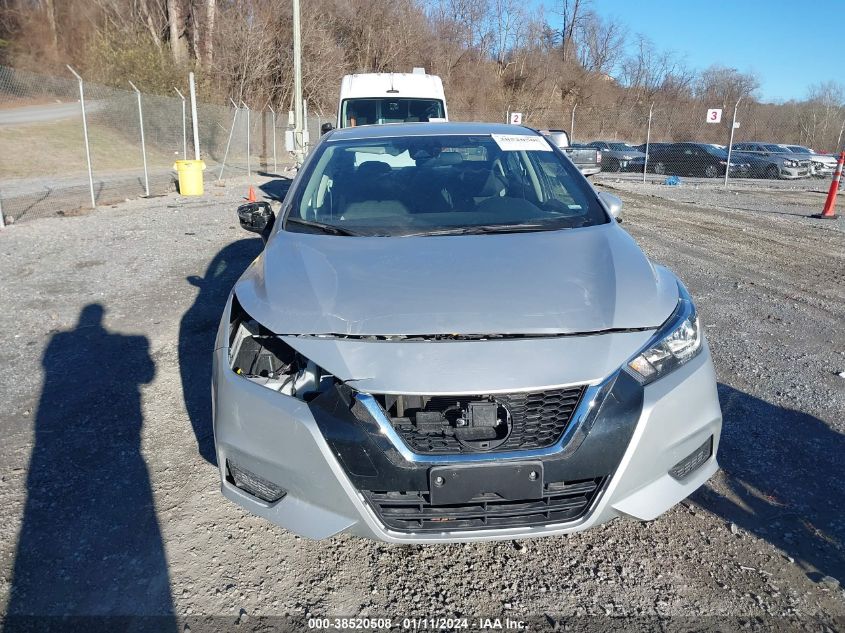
column 190, row 176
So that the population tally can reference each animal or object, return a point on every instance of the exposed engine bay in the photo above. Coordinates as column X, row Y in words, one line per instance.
column 477, row 422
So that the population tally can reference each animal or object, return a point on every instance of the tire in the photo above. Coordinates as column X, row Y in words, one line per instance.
column 772, row 172
column 659, row 168
column 613, row 165
column 711, row 172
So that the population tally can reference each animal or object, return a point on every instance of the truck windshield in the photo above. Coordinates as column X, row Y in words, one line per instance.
column 441, row 184
column 389, row 110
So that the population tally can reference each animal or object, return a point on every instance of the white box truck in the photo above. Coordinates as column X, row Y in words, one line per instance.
column 378, row 98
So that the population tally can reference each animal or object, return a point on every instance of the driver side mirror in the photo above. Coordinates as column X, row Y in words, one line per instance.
column 612, row 203
column 257, row 217
column 326, row 127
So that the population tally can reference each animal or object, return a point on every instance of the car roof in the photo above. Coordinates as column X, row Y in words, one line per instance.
column 387, row 130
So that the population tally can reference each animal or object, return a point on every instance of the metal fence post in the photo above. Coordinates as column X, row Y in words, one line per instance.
column 194, row 122
column 572, row 125
column 306, row 144
column 731, row 142
column 143, row 142
column 228, row 142
column 839, row 139
column 647, row 140
column 85, row 134
column 248, row 161
column 184, row 128
column 2, row 219
column 273, row 119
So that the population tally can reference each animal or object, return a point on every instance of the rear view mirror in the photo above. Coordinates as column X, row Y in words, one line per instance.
column 612, row 203
column 256, row 217
column 326, row 127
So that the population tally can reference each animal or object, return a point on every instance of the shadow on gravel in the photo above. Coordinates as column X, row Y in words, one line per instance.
column 276, row 189
column 786, row 481
column 90, row 542
column 197, row 331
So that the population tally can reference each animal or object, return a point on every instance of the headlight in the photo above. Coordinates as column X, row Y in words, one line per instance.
column 790, row 163
column 264, row 358
column 675, row 344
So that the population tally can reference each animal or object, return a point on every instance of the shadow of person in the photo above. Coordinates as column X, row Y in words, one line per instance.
column 197, row 331
column 90, row 542
column 785, row 481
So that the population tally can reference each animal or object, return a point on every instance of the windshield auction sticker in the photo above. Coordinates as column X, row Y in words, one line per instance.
column 521, row 143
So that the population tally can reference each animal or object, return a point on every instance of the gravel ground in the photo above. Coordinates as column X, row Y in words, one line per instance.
column 112, row 508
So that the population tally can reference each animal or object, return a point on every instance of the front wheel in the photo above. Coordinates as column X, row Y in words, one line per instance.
column 711, row 172
column 614, row 165
column 659, row 168
column 772, row 172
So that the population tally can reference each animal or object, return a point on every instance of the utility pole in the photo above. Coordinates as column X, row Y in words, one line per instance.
column 297, row 86
column 731, row 142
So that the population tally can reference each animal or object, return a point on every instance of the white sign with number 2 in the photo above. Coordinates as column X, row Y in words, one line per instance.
column 516, row 118
column 714, row 115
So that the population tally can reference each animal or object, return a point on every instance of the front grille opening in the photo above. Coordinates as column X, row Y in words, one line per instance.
column 411, row 511
column 442, row 425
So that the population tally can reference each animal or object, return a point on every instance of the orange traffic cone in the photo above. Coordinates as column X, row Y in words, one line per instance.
column 251, row 195
column 829, row 211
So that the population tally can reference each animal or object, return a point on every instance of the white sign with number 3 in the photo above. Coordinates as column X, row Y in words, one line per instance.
column 714, row 115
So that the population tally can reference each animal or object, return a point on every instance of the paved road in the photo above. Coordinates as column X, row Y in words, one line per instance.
column 45, row 113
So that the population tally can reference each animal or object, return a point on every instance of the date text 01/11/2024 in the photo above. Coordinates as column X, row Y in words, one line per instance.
column 417, row 624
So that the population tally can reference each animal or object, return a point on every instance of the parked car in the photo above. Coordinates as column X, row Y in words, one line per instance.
column 821, row 165
column 650, row 146
column 587, row 159
column 777, row 162
column 617, row 156
column 461, row 343
column 693, row 159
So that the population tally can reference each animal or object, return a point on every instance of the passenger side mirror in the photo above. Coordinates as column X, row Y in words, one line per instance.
column 256, row 217
column 612, row 203
column 326, row 127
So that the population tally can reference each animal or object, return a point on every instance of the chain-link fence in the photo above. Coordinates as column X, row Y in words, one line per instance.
column 653, row 142
column 44, row 163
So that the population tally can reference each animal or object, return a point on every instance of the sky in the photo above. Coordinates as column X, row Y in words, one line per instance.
column 789, row 45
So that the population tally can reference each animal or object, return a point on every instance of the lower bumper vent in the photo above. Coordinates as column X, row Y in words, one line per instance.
column 412, row 511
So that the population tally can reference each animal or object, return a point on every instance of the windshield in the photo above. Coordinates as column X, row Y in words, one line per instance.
column 621, row 147
column 435, row 184
column 718, row 152
column 798, row 149
column 389, row 110
column 777, row 149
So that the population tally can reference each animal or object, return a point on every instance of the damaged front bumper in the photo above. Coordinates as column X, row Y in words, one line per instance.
column 340, row 466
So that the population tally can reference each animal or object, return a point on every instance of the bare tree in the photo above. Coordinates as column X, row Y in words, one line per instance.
column 177, row 29
column 601, row 43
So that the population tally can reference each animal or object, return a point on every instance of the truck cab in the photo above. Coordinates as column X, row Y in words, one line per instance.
column 377, row 98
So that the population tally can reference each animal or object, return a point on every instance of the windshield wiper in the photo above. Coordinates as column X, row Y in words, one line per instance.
column 493, row 228
column 331, row 229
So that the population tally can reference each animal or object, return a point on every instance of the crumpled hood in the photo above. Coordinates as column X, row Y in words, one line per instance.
column 555, row 282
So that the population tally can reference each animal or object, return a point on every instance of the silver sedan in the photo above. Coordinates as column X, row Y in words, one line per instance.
column 450, row 337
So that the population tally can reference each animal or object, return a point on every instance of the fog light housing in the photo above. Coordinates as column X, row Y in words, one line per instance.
column 253, row 484
column 693, row 461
